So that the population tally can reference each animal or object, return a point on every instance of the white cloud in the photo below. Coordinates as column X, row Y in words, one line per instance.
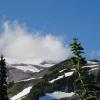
column 17, row 42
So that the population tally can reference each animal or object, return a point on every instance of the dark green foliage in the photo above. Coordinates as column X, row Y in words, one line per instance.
column 62, row 65
column 49, row 77
column 15, row 88
column 10, row 84
column 3, row 83
column 77, row 51
column 86, row 86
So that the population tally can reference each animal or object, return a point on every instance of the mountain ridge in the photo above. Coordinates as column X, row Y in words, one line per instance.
column 65, row 83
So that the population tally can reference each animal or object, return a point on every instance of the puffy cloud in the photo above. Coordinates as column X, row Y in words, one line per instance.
column 16, row 42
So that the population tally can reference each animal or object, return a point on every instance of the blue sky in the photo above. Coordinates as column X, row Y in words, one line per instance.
column 68, row 18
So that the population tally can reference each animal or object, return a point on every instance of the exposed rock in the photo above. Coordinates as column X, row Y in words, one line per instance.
column 15, row 74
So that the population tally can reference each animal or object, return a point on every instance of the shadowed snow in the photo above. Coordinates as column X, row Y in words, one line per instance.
column 56, row 95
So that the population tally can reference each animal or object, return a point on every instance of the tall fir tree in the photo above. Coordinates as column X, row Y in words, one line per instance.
column 3, row 82
column 87, row 88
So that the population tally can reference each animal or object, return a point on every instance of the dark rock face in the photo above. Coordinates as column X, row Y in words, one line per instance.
column 96, row 73
column 71, row 86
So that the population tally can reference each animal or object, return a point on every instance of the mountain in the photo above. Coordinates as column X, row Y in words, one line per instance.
column 55, row 82
column 20, row 71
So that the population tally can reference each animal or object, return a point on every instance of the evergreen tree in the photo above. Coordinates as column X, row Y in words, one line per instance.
column 87, row 88
column 3, row 83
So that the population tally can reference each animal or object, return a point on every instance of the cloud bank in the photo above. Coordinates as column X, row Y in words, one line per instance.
column 16, row 42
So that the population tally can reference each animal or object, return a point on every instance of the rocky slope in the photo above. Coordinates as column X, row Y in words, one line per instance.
column 56, row 79
column 21, row 71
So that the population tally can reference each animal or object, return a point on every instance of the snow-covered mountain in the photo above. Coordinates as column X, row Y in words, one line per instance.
column 26, row 69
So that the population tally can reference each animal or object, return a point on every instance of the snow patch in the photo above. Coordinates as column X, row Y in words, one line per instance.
column 90, row 66
column 62, row 70
column 25, row 80
column 59, row 77
column 22, row 94
column 93, row 69
column 92, row 62
column 27, row 68
column 73, row 69
column 47, row 65
column 28, row 79
column 56, row 95
column 68, row 74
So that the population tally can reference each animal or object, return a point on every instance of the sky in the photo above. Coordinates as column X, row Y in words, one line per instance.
column 57, row 21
